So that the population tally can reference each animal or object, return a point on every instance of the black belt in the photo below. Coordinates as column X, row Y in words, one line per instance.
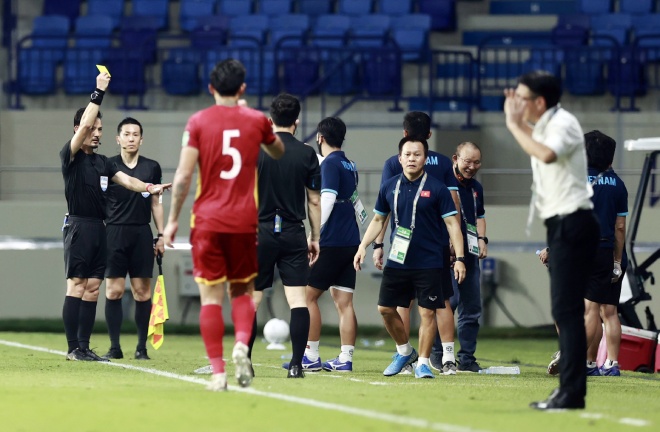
column 557, row 218
column 84, row 219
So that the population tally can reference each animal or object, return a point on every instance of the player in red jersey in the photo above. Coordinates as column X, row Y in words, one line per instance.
column 224, row 142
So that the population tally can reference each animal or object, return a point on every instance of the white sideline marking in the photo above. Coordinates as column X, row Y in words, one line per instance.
column 401, row 420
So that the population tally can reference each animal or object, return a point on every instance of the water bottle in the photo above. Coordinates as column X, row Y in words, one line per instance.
column 501, row 370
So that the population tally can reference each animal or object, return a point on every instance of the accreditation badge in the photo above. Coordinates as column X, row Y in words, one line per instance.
column 104, row 183
column 472, row 239
column 400, row 245
column 360, row 212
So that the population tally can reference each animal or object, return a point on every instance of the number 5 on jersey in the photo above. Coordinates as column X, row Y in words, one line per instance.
column 228, row 150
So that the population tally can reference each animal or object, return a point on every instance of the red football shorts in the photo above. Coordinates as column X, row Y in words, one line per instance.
column 220, row 257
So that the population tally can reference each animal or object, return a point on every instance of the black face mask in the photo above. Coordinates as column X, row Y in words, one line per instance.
column 318, row 145
column 459, row 174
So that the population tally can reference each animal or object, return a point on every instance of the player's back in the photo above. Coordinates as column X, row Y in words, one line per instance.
column 228, row 140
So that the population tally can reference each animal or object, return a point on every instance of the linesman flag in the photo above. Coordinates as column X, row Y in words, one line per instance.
column 159, row 313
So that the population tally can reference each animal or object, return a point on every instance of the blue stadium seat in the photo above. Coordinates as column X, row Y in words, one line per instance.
column 127, row 69
column 260, row 76
column 595, row 7
column 580, row 20
column 180, row 72
column 615, row 26
column 442, row 13
column 234, row 8
column 315, row 7
column 411, row 33
column 36, row 70
column 275, row 7
column 638, row 7
column 531, row 7
column 569, row 35
column 647, row 35
column 93, row 31
column 297, row 26
column 191, row 10
column 301, row 69
column 548, row 59
column 50, row 32
column 248, row 31
column 112, row 8
column 210, row 32
column 139, row 35
column 159, row 9
column 626, row 75
column 341, row 68
column 80, row 69
column 381, row 72
column 68, row 8
column 330, row 31
column 395, row 7
column 584, row 71
column 355, row 7
column 370, row 30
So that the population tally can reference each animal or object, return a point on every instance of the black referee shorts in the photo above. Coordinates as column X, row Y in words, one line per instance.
column 600, row 288
column 334, row 268
column 130, row 250
column 399, row 286
column 84, row 248
column 287, row 250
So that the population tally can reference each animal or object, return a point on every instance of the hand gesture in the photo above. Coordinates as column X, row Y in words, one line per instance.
column 158, row 189
column 514, row 107
column 102, row 81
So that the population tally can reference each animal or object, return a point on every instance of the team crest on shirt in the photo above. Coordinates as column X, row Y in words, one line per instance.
column 104, row 183
column 425, row 194
column 146, row 194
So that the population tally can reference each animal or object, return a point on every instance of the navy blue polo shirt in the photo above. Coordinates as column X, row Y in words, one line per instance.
column 437, row 165
column 339, row 176
column 434, row 204
column 610, row 200
column 469, row 192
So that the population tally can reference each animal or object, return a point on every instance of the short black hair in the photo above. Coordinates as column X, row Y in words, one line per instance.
column 79, row 114
column 227, row 77
column 414, row 139
column 600, row 150
column 126, row 121
column 284, row 110
column 333, row 130
column 543, row 83
column 418, row 125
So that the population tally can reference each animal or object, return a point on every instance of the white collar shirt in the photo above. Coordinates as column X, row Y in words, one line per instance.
column 560, row 187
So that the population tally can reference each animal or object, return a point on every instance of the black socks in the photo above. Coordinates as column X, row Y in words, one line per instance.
column 299, row 328
column 70, row 316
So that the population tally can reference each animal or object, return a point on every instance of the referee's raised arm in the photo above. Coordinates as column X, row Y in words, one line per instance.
column 82, row 131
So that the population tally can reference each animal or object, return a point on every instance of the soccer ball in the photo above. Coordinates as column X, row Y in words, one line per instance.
column 276, row 331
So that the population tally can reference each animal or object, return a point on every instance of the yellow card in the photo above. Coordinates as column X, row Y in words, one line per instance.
column 103, row 69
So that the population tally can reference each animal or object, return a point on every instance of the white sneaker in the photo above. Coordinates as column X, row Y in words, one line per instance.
column 218, row 383
column 204, row 370
column 408, row 369
column 243, row 365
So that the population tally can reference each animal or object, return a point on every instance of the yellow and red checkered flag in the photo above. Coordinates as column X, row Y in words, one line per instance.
column 159, row 312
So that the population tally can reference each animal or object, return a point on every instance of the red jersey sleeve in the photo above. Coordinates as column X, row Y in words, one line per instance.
column 268, row 134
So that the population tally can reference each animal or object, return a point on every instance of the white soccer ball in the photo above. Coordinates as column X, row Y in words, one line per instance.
column 276, row 331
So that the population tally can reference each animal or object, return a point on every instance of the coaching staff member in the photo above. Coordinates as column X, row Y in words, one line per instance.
column 86, row 179
column 283, row 185
column 553, row 138
column 131, row 245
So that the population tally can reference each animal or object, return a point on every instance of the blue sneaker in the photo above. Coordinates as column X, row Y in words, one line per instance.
column 593, row 371
column 399, row 362
column 307, row 364
column 335, row 365
column 423, row 371
column 613, row 371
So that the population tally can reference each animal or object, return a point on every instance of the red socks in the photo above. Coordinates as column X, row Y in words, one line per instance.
column 212, row 327
column 242, row 313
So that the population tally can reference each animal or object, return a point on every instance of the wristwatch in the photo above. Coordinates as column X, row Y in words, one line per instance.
column 377, row 245
column 461, row 259
column 484, row 238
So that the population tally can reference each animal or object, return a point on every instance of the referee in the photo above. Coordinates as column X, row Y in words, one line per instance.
column 283, row 186
column 86, row 179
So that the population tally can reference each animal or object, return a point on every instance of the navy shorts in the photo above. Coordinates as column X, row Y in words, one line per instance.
column 84, row 248
column 287, row 250
column 334, row 268
column 130, row 250
column 399, row 286
column 600, row 288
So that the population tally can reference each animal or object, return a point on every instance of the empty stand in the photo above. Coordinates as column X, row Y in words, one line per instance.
column 93, row 31
column 112, row 8
column 159, row 10
column 190, row 11
column 411, row 33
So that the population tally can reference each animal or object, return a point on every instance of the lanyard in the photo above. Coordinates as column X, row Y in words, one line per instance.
column 460, row 202
column 414, row 209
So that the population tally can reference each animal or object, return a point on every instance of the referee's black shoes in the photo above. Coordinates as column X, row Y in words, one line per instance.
column 295, row 371
column 559, row 400
column 77, row 355
column 114, row 353
column 93, row 356
column 141, row 354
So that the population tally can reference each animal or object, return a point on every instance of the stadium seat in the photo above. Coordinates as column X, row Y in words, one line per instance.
column 260, row 78
column 569, row 35
column 93, row 31
column 341, row 70
column 595, row 7
column 50, row 33
column 584, row 71
column 638, row 7
column 647, row 36
column 548, row 59
column 355, row 7
column 381, row 73
column 127, row 69
column 395, row 7
column 191, row 10
column 530, row 7
column 36, row 70
column 210, row 32
column 275, row 7
column 370, row 30
column 297, row 27
column 614, row 26
column 442, row 13
column 180, row 72
column 139, row 35
column 330, row 31
column 112, row 8
column 626, row 75
column 315, row 7
column 159, row 9
column 300, row 70
column 80, row 69
column 68, row 8
column 580, row 20
column 411, row 33
column 248, row 31
column 234, row 8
